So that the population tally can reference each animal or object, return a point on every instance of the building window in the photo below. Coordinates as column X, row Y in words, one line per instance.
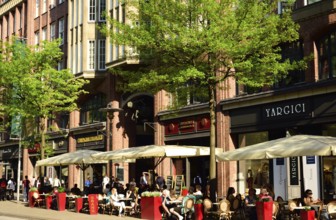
column 60, row 2
column 37, row 38
column 60, row 65
column 102, row 8
column 53, row 31
column 92, row 10
column 327, row 56
column 91, row 54
column 52, row 4
column 61, row 30
column 37, row 8
column 44, row 7
column 44, row 33
column 89, row 111
column 312, row 1
column 101, row 54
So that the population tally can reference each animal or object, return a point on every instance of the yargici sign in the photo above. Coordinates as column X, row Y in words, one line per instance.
column 286, row 110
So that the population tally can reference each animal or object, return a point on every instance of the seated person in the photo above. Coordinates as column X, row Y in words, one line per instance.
column 198, row 194
column 166, row 202
column 131, row 193
column 115, row 201
column 308, row 200
column 75, row 190
column 264, row 195
column 178, row 210
column 54, row 199
column 251, row 198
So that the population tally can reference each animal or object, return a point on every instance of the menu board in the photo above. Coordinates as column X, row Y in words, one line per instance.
column 179, row 183
column 169, row 182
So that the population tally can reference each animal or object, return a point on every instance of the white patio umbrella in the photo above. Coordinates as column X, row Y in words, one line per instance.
column 293, row 146
column 152, row 151
column 81, row 158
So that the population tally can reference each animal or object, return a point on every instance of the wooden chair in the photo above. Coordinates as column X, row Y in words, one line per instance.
column 208, row 209
column 188, row 207
column 331, row 209
column 224, row 210
column 101, row 203
column 237, row 208
column 275, row 210
column 37, row 199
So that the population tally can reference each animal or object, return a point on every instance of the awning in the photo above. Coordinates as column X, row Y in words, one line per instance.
column 293, row 146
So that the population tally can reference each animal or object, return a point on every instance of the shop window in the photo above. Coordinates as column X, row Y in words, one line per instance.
column 192, row 93
column 256, row 173
column 329, row 166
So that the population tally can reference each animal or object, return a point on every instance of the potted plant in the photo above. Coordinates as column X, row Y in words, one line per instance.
column 150, row 205
column 31, row 199
column 184, row 191
column 198, row 209
column 264, row 209
column 61, row 198
column 307, row 213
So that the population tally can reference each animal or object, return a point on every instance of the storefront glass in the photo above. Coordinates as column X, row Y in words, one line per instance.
column 329, row 167
column 255, row 173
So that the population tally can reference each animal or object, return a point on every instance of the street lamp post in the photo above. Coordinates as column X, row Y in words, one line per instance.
column 110, row 114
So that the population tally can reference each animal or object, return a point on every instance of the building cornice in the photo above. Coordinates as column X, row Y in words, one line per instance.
column 9, row 5
column 300, row 91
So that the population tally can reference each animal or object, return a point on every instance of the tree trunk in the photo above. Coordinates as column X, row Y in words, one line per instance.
column 42, row 130
column 212, row 172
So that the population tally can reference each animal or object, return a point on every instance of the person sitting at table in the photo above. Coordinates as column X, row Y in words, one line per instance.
column 308, row 200
column 75, row 190
column 251, row 198
column 179, row 209
column 116, row 202
column 53, row 193
column 264, row 195
column 230, row 196
column 132, row 194
column 166, row 202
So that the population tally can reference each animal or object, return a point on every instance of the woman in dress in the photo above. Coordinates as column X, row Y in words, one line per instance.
column 116, row 202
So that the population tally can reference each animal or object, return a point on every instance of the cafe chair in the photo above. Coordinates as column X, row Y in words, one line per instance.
column 188, row 208
column 224, row 210
column 237, row 208
column 275, row 210
column 37, row 199
column 209, row 212
column 101, row 203
column 331, row 209
column 291, row 213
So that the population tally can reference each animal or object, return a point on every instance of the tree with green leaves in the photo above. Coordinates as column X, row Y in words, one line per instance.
column 32, row 88
column 189, row 45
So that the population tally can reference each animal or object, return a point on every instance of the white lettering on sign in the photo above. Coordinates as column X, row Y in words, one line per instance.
column 285, row 110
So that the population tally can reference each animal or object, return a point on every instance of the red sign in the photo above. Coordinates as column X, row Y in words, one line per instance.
column 187, row 125
column 93, row 204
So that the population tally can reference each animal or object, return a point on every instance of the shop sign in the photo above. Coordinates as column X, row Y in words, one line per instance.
column 282, row 110
column 294, row 171
column 90, row 139
column 310, row 159
column 187, row 126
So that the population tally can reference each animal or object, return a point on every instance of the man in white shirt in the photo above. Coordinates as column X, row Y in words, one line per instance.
column 56, row 182
column 106, row 180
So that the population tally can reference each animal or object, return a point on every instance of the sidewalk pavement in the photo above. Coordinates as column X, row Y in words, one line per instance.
column 22, row 210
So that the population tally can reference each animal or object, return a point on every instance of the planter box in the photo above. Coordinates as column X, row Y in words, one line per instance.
column 48, row 201
column 198, row 211
column 307, row 215
column 78, row 204
column 93, row 204
column 184, row 192
column 31, row 199
column 150, row 208
column 264, row 210
column 61, row 201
